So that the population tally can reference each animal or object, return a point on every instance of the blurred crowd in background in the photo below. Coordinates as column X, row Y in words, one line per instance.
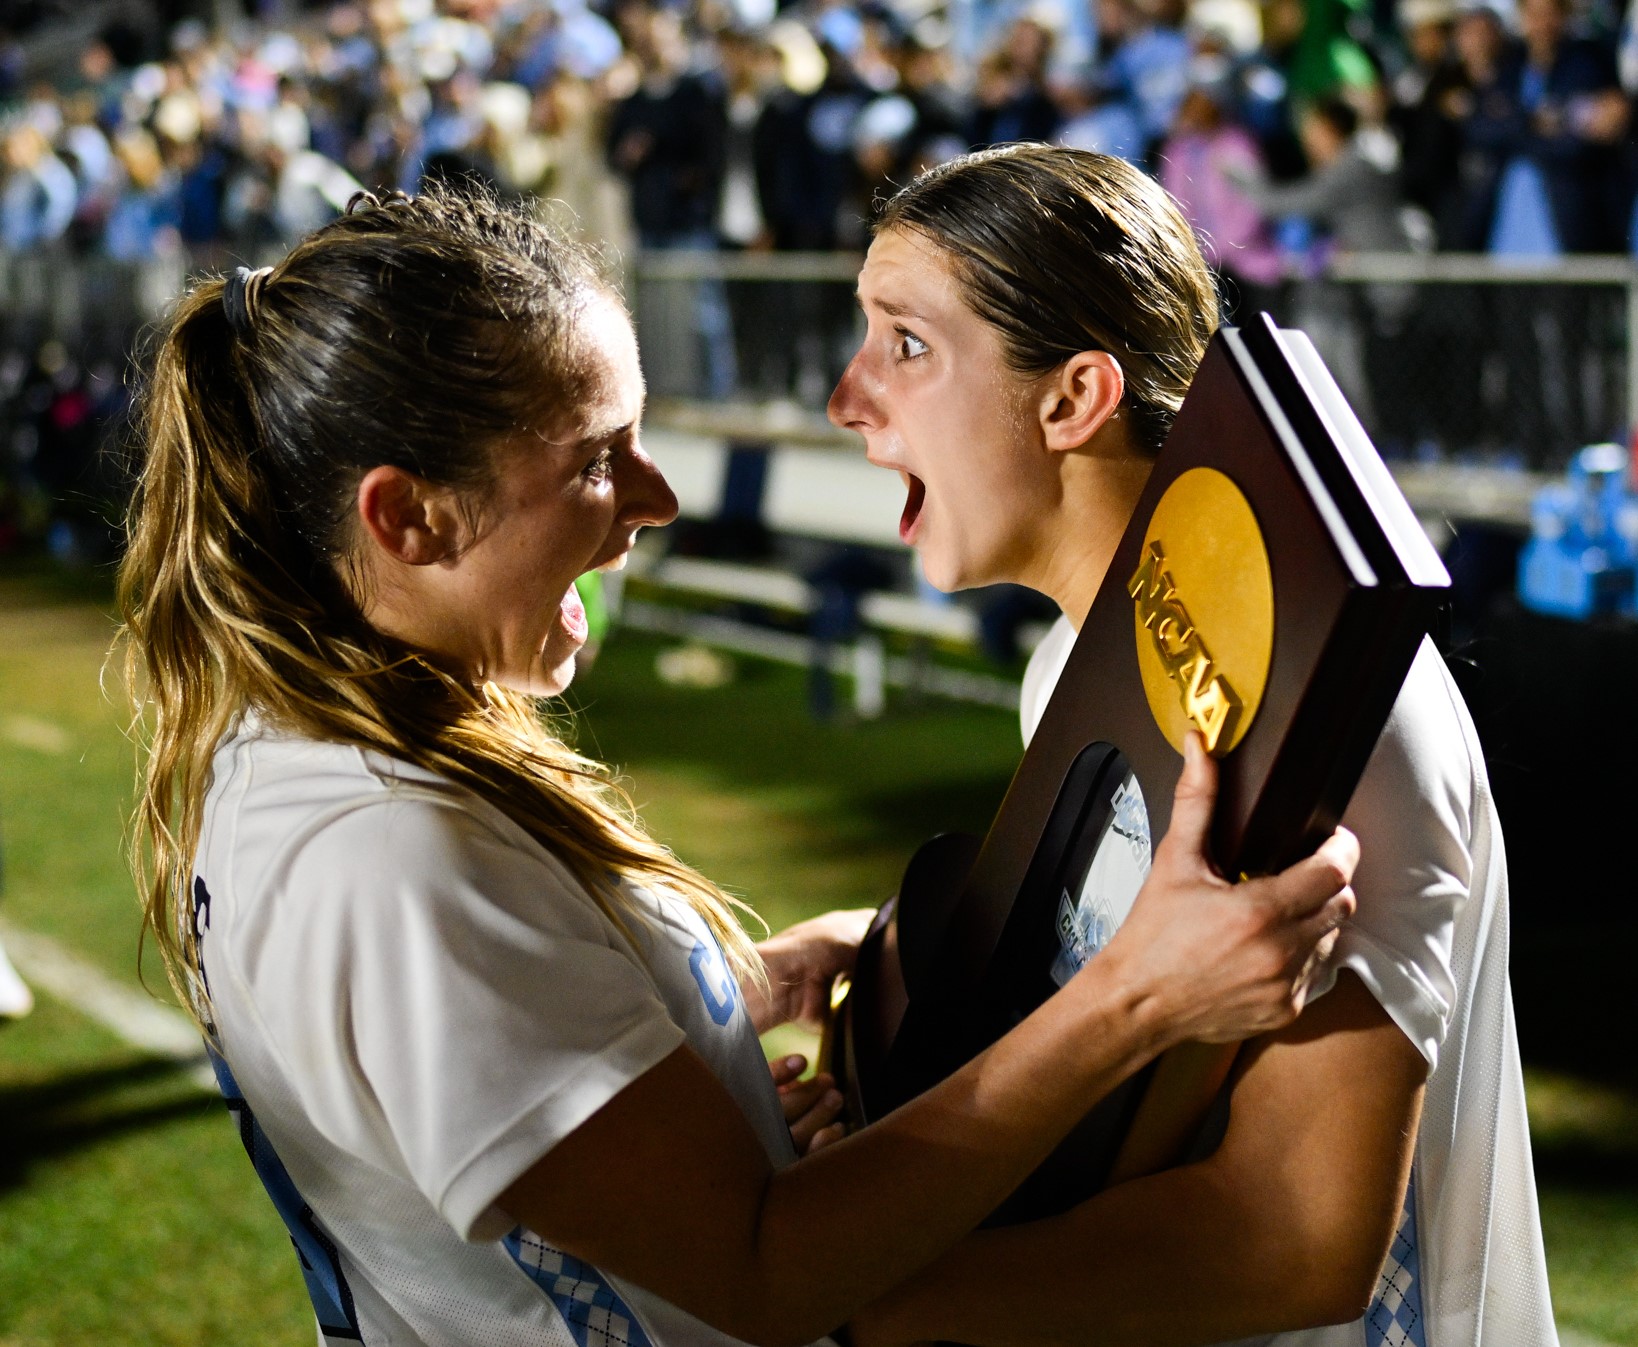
column 733, row 123
column 1288, row 131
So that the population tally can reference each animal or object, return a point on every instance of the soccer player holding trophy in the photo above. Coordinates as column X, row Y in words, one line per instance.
column 1034, row 317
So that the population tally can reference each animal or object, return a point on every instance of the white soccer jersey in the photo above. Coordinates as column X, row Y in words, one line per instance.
column 414, row 1001
column 1430, row 942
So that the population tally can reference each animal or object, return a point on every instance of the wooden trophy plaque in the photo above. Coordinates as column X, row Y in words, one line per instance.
column 1271, row 592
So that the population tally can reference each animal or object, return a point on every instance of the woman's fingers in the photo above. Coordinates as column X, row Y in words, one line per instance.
column 1234, row 960
column 784, row 1070
column 1186, row 840
column 825, row 1135
column 812, row 1108
column 797, row 1097
column 1333, row 863
column 1318, row 886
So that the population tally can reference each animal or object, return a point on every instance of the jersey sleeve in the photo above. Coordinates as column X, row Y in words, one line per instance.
column 456, row 1003
column 1413, row 815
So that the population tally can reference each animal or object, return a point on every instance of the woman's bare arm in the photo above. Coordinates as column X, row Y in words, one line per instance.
column 668, row 1186
column 1284, row 1227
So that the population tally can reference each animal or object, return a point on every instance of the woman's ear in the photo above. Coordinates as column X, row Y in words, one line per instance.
column 1079, row 397
column 409, row 519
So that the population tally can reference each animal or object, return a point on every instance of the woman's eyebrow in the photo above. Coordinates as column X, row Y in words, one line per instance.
column 608, row 430
column 593, row 433
column 891, row 309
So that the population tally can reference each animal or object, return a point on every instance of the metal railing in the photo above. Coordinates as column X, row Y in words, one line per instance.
column 1445, row 356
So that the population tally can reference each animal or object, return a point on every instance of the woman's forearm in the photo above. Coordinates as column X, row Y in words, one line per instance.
column 1281, row 1228
column 668, row 1186
column 850, row 1222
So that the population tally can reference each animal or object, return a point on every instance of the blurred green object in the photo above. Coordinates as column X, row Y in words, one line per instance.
column 590, row 588
column 1326, row 60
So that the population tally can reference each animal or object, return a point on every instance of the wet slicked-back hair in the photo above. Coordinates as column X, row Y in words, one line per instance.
column 1064, row 251
column 421, row 333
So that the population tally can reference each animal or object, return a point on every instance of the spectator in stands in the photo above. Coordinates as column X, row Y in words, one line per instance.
column 668, row 138
column 147, row 213
column 202, row 168
column 1428, row 97
column 85, row 148
column 570, row 116
column 1556, row 106
column 812, row 195
column 1307, row 54
column 927, row 79
column 1145, row 63
column 310, row 189
column 1319, row 53
column 1352, row 195
column 920, row 122
column 98, row 74
column 1012, row 98
column 37, row 195
column 750, row 71
column 1540, row 138
column 448, row 144
column 1199, row 164
column 1099, row 121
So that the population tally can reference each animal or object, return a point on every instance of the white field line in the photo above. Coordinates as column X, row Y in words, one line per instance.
column 1573, row 1337
column 128, row 1013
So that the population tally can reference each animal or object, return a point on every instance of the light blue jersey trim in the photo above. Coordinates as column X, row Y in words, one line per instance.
column 593, row 1313
column 1395, row 1318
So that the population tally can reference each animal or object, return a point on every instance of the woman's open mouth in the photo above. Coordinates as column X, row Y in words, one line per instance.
column 914, row 500
column 572, row 613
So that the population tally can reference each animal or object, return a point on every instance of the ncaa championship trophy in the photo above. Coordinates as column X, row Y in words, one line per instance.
column 1270, row 592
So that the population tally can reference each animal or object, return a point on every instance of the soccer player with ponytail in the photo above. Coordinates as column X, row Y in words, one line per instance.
column 493, row 1048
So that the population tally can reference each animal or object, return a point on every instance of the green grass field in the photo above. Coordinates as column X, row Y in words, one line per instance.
column 128, row 1213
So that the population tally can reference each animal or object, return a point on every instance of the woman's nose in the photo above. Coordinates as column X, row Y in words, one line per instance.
column 848, row 407
column 647, row 498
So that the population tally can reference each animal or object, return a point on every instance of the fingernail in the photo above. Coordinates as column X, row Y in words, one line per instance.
column 795, row 1063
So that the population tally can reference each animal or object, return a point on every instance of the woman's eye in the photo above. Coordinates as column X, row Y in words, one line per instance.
column 910, row 345
column 601, row 466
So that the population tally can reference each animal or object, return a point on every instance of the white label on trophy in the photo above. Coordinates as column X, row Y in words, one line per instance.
column 1120, row 864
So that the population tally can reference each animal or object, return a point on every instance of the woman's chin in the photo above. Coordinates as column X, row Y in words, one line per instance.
column 543, row 679
column 555, row 681
column 943, row 573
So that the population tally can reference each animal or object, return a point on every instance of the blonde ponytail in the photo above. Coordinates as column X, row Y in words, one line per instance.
column 232, row 590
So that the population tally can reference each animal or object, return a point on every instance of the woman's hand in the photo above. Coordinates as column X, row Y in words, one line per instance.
column 1227, row 961
column 802, row 964
column 813, row 1108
